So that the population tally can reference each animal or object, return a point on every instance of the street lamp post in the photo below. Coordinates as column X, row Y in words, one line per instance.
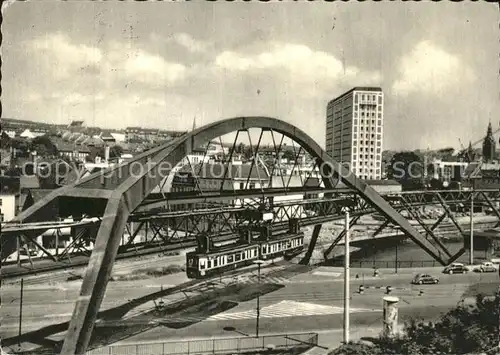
column 346, row 279
column 259, row 263
column 21, row 312
column 471, row 246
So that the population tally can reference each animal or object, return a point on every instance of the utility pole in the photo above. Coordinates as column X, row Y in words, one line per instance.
column 346, row 280
column 498, row 311
column 259, row 263
column 471, row 247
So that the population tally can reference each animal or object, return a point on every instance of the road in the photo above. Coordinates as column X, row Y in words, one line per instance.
column 311, row 301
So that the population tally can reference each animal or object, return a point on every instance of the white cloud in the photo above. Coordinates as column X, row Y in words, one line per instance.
column 118, row 62
column 430, row 69
column 63, row 56
column 188, row 42
column 153, row 68
column 301, row 63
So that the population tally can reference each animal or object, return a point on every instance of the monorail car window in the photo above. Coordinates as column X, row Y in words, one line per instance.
column 230, row 258
column 237, row 257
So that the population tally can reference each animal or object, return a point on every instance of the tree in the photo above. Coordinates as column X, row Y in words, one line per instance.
column 289, row 155
column 5, row 141
column 115, row 151
column 408, row 169
column 464, row 329
column 43, row 146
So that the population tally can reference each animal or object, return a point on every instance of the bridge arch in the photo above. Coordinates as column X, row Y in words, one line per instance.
column 124, row 190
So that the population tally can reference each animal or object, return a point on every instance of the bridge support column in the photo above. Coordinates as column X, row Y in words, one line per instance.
column 312, row 244
column 96, row 278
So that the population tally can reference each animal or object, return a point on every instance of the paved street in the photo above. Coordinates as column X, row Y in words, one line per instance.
column 310, row 301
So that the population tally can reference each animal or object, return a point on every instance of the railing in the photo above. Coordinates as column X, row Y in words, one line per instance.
column 387, row 264
column 214, row 346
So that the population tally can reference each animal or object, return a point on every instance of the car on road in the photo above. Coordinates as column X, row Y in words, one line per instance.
column 420, row 279
column 486, row 267
column 455, row 268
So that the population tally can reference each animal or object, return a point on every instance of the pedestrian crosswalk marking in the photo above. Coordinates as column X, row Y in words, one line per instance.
column 281, row 309
column 285, row 309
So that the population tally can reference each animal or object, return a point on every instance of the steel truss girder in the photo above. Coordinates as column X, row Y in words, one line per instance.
column 429, row 232
column 341, row 236
column 130, row 188
column 322, row 206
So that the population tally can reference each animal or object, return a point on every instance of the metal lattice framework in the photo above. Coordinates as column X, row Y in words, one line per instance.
column 122, row 193
column 166, row 230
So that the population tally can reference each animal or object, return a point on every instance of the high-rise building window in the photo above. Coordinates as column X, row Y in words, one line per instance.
column 379, row 129
column 380, row 100
column 356, row 98
column 379, row 115
column 379, row 122
column 379, row 136
column 362, row 97
column 379, row 144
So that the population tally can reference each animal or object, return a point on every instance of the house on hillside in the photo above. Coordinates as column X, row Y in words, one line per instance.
column 70, row 150
column 12, row 199
column 107, row 138
column 481, row 175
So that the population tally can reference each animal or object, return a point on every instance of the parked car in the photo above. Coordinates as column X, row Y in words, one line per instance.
column 455, row 269
column 486, row 267
column 420, row 279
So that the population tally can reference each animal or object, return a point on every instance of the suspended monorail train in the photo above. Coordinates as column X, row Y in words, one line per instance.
column 217, row 260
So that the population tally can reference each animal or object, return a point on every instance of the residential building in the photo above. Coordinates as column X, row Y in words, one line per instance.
column 13, row 197
column 10, row 189
column 71, row 150
column 354, row 130
column 139, row 134
column 481, row 175
column 448, row 171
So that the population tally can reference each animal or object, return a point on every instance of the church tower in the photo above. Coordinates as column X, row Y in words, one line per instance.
column 489, row 146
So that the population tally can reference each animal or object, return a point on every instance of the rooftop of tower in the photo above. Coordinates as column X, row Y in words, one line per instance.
column 359, row 88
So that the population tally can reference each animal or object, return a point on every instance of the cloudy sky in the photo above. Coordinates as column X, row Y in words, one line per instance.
column 117, row 64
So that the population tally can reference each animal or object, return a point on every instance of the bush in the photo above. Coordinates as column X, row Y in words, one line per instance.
column 464, row 329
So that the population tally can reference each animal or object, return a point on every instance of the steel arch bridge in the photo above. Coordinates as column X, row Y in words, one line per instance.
column 117, row 193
